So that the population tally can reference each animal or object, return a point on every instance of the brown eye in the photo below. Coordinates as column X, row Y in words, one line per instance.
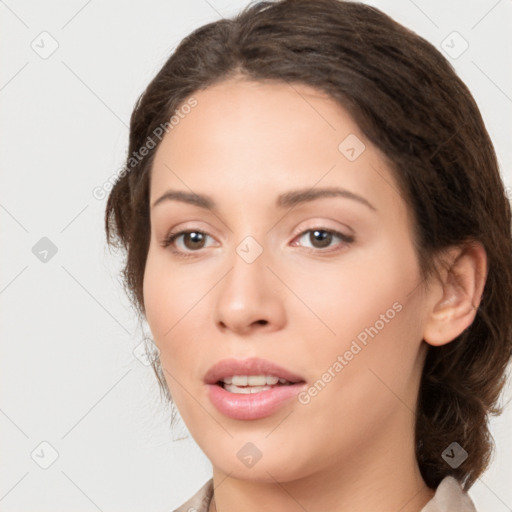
column 322, row 238
column 186, row 242
column 193, row 240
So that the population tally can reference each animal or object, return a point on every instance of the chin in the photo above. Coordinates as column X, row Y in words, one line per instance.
column 263, row 462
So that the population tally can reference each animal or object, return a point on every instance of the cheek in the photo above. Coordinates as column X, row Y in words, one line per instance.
column 376, row 332
column 163, row 305
column 362, row 386
column 350, row 297
column 173, row 312
column 155, row 301
column 165, row 295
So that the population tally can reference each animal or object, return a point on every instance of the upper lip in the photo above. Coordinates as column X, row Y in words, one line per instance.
column 252, row 366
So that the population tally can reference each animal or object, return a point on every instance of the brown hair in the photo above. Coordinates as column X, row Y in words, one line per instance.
column 409, row 102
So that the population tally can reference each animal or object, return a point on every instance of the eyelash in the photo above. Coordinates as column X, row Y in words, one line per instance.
column 171, row 237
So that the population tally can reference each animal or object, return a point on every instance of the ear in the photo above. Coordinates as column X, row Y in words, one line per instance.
column 457, row 295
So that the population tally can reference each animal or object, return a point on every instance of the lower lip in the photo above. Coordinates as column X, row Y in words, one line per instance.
column 255, row 405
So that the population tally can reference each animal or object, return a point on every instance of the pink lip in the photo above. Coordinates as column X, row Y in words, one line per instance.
column 252, row 366
column 255, row 405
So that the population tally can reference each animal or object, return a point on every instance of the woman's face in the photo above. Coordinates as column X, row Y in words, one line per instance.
column 326, row 287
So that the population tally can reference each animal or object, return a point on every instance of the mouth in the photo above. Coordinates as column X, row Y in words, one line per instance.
column 252, row 388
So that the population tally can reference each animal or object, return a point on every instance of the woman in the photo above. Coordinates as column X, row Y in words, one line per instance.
column 319, row 239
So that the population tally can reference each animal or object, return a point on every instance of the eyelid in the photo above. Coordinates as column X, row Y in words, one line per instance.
column 193, row 225
column 324, row 225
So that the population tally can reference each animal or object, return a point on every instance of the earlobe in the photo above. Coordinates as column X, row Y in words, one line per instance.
column 457, row 295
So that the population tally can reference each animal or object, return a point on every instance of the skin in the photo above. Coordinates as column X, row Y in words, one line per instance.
column 299, row 304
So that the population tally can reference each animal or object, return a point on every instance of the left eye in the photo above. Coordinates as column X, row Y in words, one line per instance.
column 321, row 238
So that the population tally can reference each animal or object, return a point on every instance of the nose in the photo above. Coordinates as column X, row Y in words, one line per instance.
column 250, row 297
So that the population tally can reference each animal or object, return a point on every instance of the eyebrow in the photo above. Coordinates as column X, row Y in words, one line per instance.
column 285, row 200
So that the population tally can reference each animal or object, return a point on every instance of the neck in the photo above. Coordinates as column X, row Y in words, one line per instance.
column 410, row 495
column 380, row 476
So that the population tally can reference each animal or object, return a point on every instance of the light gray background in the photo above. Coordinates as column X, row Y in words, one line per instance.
column 68, row 375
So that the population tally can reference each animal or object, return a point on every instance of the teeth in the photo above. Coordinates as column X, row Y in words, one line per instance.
column 246, row 384
column 240, row 380
column 254, row 380
column 246, row 390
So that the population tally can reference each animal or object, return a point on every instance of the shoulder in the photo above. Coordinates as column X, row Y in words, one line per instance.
column 200, row 502
column 450, row 497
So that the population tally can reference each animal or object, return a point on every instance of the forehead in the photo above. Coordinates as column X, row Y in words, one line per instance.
column 262, row 137
column 245, row 119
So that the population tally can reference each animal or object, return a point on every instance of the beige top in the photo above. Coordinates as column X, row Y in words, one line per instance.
column 449, row 497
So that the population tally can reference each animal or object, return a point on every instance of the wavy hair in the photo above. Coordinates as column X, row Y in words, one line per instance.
column 409, row 102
